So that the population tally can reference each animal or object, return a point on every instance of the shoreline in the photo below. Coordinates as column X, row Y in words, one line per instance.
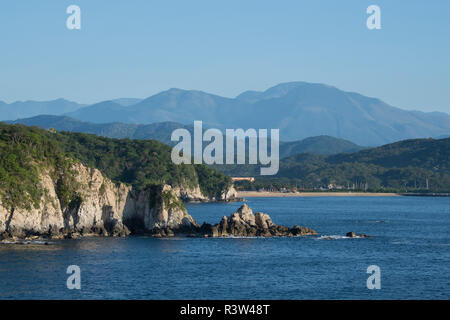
column 256, row 194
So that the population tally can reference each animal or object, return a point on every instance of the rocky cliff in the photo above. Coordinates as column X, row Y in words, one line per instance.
column 98, row 206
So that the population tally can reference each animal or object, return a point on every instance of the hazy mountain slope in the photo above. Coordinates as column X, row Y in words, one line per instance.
column 102, row 112
column 303, row 109
column 439, row 119
column 185, row 107
column 126, row 102
column 162, row 132
column 325, row 145
column 64, row 123
column 25, row 109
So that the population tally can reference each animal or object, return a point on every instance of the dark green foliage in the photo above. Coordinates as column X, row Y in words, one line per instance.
column 212, row 182
column 431, row 154
column 76, row 202
column 171, row 201
column 405, row 165
column 24, row 151
column 138, row 162
column 410, row 165
column 141, row 163
column 160, row 131
column 66, row 191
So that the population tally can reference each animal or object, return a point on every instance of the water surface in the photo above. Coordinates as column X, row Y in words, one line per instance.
column 411, row 246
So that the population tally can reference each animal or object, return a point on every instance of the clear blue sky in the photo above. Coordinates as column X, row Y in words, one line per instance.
column 138, row 48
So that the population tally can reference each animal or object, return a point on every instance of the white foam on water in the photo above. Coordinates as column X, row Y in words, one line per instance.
column 337, row 237
column 39, row 242
column 333, row 237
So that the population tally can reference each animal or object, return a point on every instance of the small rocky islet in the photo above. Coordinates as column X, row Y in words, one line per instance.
column 242, row 223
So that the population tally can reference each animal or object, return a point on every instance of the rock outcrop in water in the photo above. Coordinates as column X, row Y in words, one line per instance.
column 354, row 235
column 243, row 223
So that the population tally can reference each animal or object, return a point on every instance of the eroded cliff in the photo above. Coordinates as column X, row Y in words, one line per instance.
column 97, row 206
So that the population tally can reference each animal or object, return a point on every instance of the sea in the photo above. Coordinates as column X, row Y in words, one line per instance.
column 409, row 251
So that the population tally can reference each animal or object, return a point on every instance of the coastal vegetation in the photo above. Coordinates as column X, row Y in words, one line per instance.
column 24, row 151
column 418, row 165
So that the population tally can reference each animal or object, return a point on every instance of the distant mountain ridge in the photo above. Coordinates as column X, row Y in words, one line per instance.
column 298, row 109
column 162, row 131
column 25, row 109
column 324, row 145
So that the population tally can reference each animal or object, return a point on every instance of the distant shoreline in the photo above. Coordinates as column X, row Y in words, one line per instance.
column 264, row 194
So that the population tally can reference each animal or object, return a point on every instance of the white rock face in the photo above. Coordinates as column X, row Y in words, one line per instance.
column 263, row 220
column 103, row 205
column 229, row 194
column 168, row 211
column 192, row 194
column 104, row 209
column 244, row 223
column 4, row 215
column 244, row 215
column 41, row 220
column 189, row 194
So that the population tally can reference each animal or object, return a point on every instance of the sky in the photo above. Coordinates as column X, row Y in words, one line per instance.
column 138, row 48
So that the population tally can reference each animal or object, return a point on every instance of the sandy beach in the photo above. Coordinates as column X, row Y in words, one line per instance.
column 250, row 194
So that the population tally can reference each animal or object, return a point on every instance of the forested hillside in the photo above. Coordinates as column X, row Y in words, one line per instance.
column 410, row 165
column 24, row 150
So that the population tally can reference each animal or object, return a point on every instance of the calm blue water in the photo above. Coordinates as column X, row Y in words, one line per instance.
column 411, row 246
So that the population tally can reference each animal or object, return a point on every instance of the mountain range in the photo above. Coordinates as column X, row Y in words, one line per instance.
column 298, row 109
column 30, row 108
column 25, row 109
